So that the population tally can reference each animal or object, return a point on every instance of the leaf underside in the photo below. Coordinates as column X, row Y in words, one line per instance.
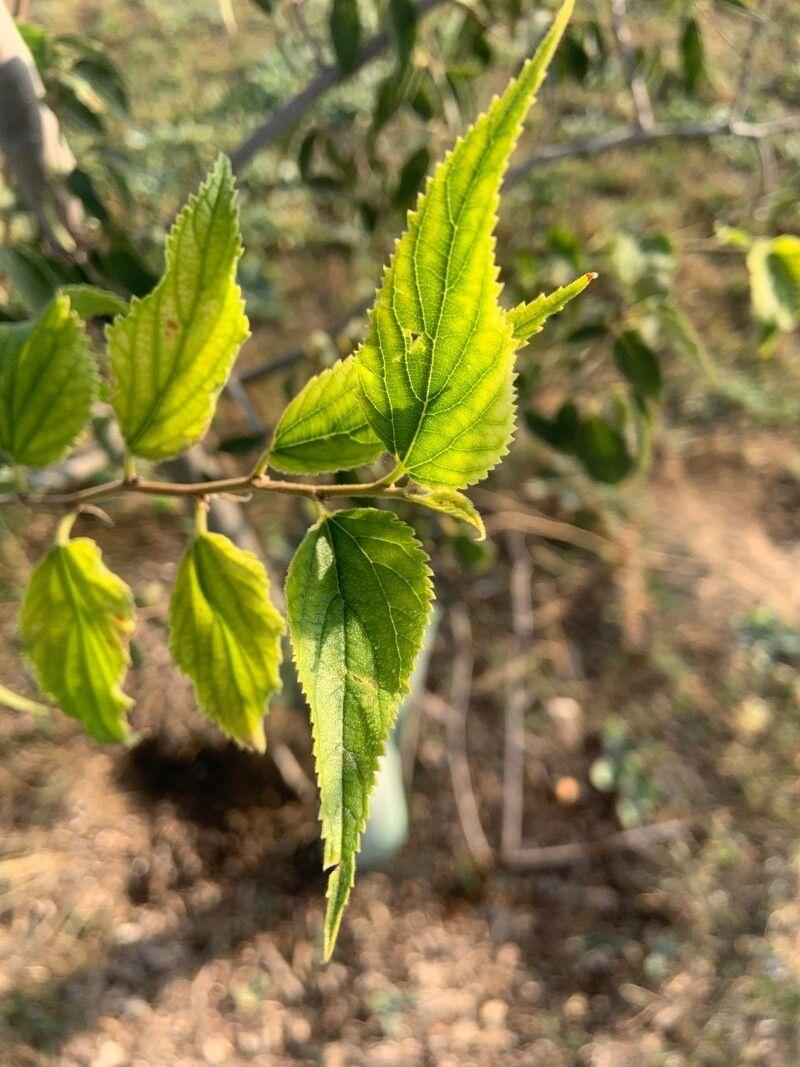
column 48, row 381
column 324, row 428
column 451, row 502
column 172, row 353
column 436, row 369
column 225, row 634
column 75, row 622
column 358, row 597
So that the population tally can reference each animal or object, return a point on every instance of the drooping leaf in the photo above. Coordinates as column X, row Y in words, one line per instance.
column 324, row 428
column 639, row 363
column 75, row 622
column 358, row 596
column 451, row 502
column 48, row 381
column 529, row 318
column 346, row 33
column 173, row 351
column 774, row 267
column 225, row 634
column 437, row 366
column 90, row 301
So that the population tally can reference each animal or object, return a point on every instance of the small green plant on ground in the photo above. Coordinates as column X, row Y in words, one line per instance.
column 432, row 386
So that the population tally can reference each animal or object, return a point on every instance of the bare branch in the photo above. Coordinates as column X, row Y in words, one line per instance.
column 744, row 84
column 645, row 118
column 637, row 839
column 517, row 700
column 456, row 730
column 634, row 137
column 289, row 114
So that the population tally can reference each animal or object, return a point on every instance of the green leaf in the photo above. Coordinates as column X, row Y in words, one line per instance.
column 403, row 22
column 451, row 502
column 529, row 318
column 602, row 451
column 358, row 596
column 90, row 301
column 639, row 363
column 75, row 621
column 324, row 428
column 693, row 55
column 172, row 353
column 48, row 381
column 346, row 33
column 436, row 369
column 225, row 634
column 411, row 174
column 774, row 267
column 35, row 277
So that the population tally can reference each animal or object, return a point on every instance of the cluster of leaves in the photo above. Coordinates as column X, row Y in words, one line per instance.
column 432, row 386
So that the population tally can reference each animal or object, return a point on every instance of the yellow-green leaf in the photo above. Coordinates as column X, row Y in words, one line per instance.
column 451, row 502
column 529, row 318
column 47, row 384
column 324, row 428
column 225, row 634
column 172, row 353
column 436, row 369
column 358, row 596
column 774, row 267
column 75, row 622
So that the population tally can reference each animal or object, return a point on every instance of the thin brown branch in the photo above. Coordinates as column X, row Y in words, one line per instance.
column 645, row 118
column 744, row 82
column 456, row 730
column 637, row 839
column 517, row 701
column 626, row 137
column 198, row 490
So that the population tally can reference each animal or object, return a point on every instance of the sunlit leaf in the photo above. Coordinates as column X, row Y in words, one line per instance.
column 48, row 380
column 774, row 267
column 358, row 596
column 172, row 353
column 90, row 301
column 451, row 502
column 529, row 318
column 436, row 370
column 75, row 622
column 324, row 428
column 225, row 634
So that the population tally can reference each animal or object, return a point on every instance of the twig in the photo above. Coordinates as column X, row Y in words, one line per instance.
column 645, row 118
column 637, row 839
column 456, row 730
column 634, row 137
column 517, row 697
column 287, row 116
column 291, row 771
column 747, row 68
column 383, row 487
